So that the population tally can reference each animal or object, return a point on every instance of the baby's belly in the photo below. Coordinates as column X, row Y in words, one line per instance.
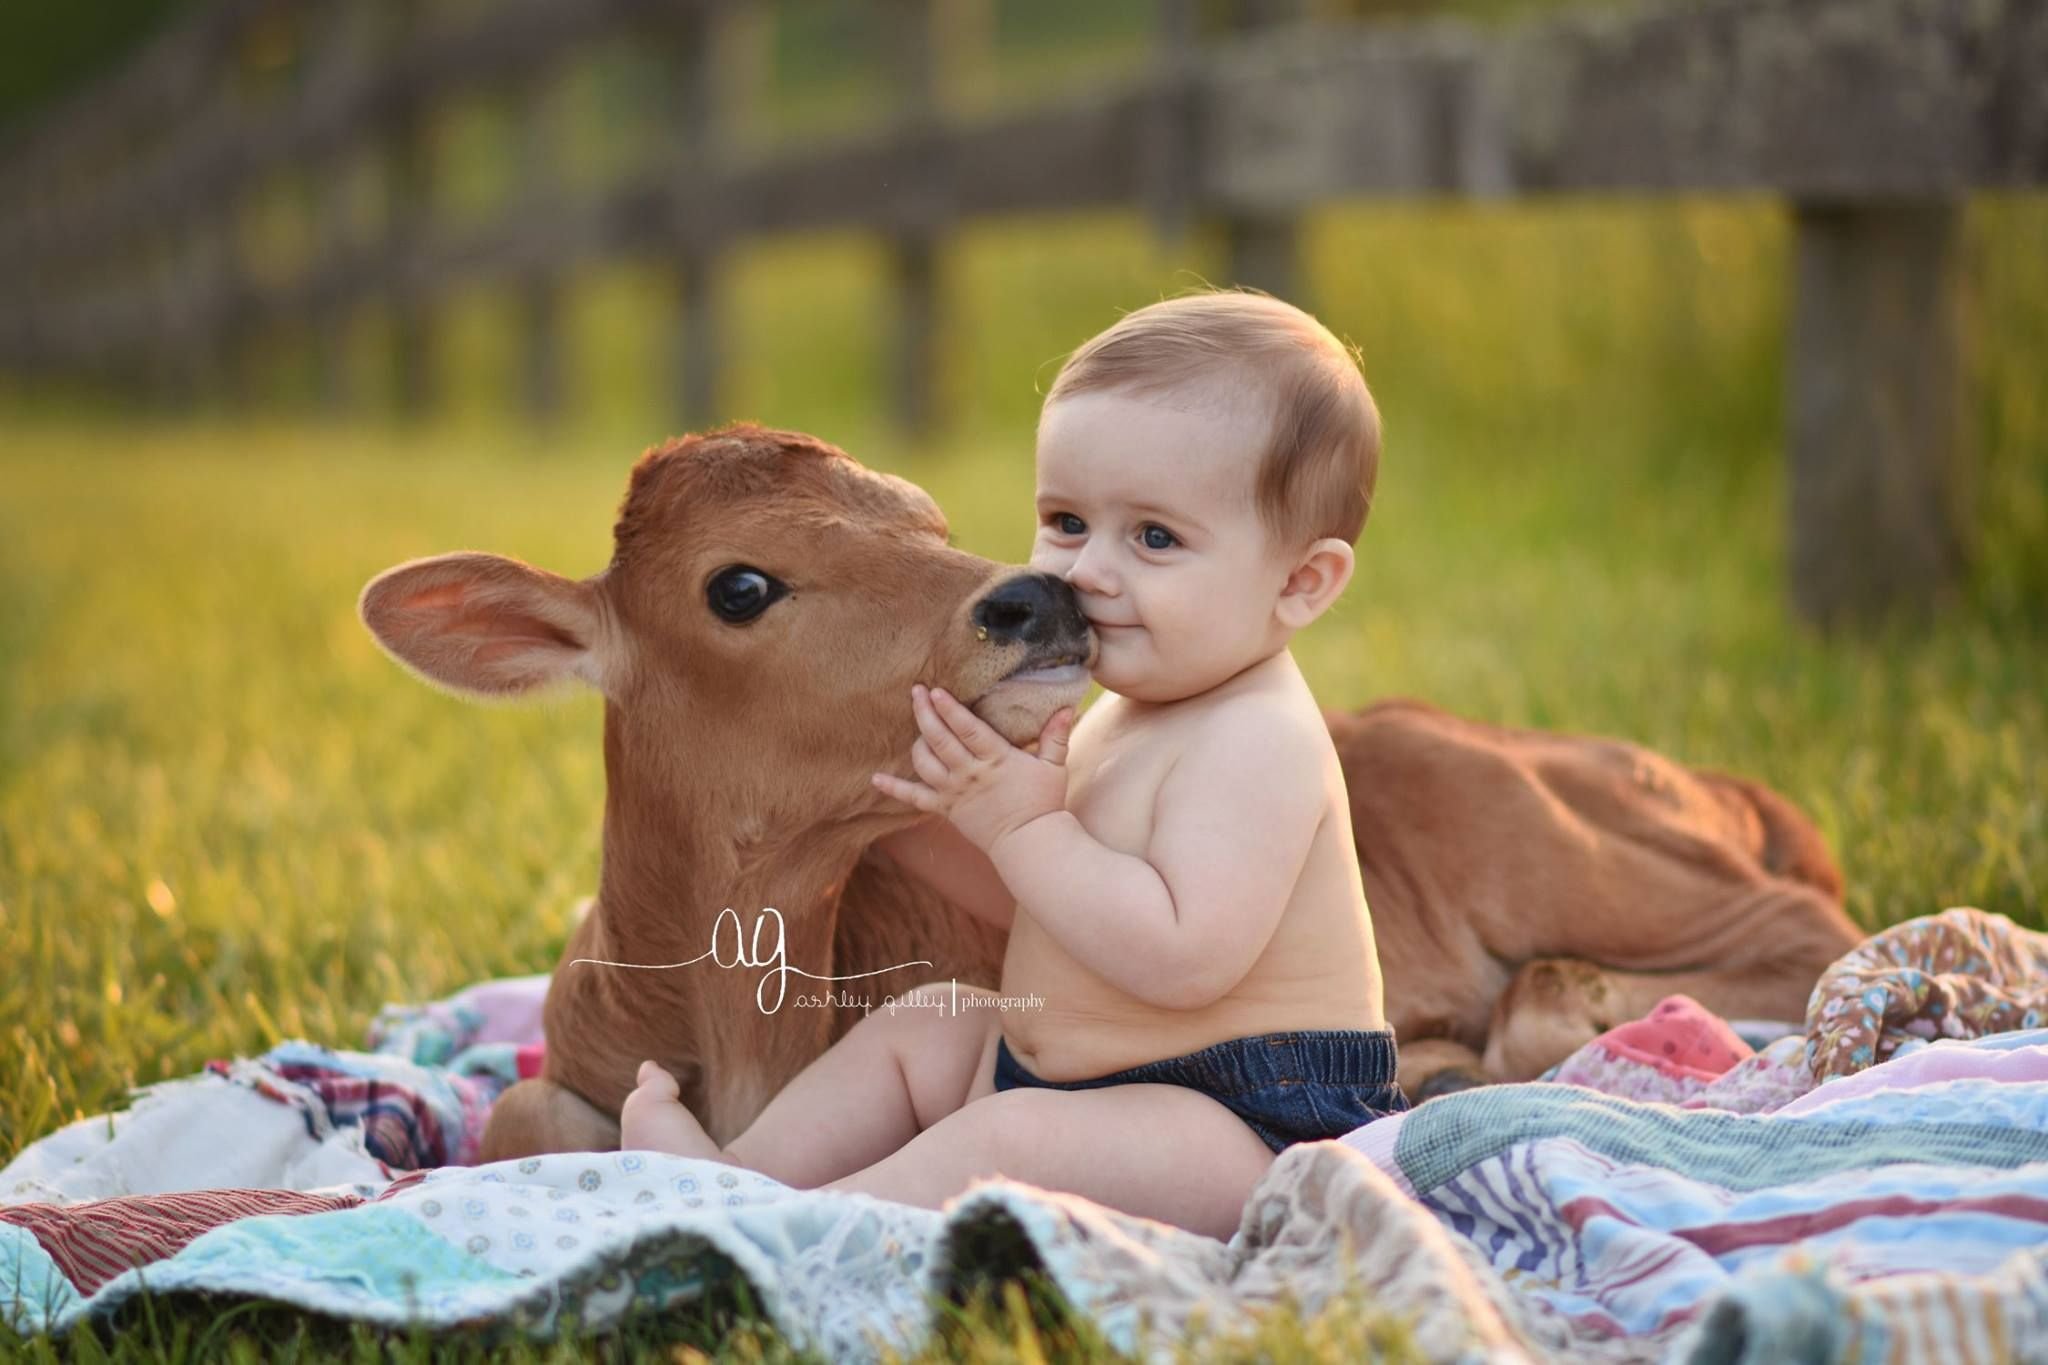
column 1086, row 1027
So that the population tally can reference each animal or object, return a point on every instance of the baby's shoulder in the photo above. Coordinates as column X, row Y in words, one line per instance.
column 1250, row 764
column 1269, row 729
column 1280, row 715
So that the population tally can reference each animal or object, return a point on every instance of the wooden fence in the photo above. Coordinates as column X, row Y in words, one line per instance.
column 1874, row 118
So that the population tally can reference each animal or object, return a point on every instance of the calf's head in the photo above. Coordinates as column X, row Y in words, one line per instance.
column 768, row 603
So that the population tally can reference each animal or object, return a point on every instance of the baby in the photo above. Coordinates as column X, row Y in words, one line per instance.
column 1190, row 984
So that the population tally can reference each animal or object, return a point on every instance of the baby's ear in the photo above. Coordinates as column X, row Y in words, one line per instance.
column 1320, row 574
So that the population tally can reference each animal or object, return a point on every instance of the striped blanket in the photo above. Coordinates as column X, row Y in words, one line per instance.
column 1901, row 1215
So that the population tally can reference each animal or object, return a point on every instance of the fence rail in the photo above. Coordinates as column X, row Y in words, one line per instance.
column 1875, row 118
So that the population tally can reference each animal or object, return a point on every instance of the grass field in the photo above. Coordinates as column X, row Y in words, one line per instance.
column 227, row 819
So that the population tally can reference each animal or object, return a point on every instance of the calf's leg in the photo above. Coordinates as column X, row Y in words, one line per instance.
column 537, row 1116
column 1555, row 1006
column 1433, row 1066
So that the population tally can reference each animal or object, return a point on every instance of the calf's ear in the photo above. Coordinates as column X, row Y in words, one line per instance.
column 489, row 627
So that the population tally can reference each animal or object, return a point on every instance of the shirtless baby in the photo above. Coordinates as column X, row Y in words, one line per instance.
column 1177, row 872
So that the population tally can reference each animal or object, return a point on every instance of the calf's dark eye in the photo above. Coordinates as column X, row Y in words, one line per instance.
column 740, row 593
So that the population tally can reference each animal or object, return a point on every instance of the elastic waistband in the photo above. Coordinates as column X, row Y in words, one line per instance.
column 1358, row 1057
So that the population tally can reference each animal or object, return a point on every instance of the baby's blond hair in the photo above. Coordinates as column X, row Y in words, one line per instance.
column 1315, row 476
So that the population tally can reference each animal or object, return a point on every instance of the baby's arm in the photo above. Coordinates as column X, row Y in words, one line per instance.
column 1231, row 832
column 935, row 852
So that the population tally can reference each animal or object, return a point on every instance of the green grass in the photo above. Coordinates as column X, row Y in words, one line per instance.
column 226, row 818
column 1019, row 1322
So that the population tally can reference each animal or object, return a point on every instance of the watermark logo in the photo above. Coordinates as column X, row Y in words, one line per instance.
column 748, row 951
column 950, row 1001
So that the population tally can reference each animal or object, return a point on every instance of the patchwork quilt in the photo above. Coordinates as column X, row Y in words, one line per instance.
column 1709, row 1200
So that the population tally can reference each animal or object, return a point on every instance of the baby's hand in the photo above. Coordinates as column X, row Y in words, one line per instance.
column 980, row 781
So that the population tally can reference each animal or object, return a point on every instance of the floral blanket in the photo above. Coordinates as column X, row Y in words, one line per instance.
column 1959, row 974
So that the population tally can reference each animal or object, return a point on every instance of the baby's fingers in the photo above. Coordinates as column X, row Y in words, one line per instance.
column 1052, row 740
column 933, row 726
column 980, row 740
column 935, row 773
column 909, row 793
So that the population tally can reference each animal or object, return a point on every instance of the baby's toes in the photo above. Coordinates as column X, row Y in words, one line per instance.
column 654, row 1120
column 657, row 1082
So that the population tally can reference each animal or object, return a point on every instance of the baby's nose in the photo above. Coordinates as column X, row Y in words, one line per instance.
column 1090, row 582
column 1089, row 573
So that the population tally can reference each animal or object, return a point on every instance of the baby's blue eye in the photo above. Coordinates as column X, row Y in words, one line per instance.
column 1069, row 524
column 1150, row 531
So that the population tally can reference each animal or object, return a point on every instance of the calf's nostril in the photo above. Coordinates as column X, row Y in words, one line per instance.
column 1007, row 617
column 1019, row 609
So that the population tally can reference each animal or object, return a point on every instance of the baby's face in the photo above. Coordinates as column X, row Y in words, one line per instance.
column 1145, row 509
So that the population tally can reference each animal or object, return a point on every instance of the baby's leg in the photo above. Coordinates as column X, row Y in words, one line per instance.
column 892, row 1076
column 1158, row 1151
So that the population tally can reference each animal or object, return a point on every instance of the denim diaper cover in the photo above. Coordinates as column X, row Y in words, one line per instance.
column 1300, row 1086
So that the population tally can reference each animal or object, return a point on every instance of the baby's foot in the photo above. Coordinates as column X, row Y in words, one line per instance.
column 653, row 1119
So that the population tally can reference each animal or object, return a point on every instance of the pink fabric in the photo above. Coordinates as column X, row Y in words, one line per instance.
column 1665, row 1057
column 1681, row 1038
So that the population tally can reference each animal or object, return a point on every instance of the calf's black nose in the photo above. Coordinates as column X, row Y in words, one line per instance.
column 1028, row 609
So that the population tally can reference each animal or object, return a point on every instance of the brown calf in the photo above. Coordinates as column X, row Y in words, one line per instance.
column 1530, row 890
column 768, row 604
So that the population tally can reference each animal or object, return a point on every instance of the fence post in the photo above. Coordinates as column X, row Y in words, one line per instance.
column 162, row 370
column 198, row 301
column 926, row 40
column 720, row 53
column 408, row 184
column 267, row 71
column 1264, row 249
column 337, row 44
column 233, row 355
column 1879, row 469
column 233, row 363
column 189, row 285
column 540, row 285
column 1172, row 172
